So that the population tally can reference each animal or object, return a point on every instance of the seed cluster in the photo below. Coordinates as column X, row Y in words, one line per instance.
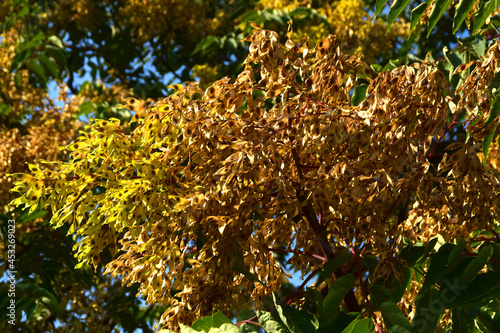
column 199, row 188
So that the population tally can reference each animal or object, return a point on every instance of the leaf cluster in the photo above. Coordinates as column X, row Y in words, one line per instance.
column 352, row 170
column 304, row 152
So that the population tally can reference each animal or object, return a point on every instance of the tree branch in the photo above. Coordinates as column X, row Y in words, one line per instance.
column 165, row 63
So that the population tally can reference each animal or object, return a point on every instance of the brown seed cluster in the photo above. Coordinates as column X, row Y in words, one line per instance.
column 208, row 183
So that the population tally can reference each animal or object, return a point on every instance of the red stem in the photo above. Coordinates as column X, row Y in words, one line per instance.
column 299, row 252
column 432, row 153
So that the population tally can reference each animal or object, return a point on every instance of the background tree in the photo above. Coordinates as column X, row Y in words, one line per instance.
column 49, row 291
column 304, row 111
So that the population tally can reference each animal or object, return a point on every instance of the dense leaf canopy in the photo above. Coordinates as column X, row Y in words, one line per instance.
column 377, row 180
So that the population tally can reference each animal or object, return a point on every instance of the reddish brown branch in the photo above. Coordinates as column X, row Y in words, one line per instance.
column 299, row 252
column 432, row 153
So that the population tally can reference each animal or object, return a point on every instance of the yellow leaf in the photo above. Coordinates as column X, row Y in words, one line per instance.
column 254, row 25
column 177, row 87
column 20, row 176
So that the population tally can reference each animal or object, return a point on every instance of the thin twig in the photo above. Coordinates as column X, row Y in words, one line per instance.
column 299, row 252
column 453, row 122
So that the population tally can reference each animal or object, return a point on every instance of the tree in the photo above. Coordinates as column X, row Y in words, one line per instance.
column 309, row 152
column 91, row 53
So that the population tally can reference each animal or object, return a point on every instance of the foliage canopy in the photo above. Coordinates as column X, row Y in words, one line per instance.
column 381, row 183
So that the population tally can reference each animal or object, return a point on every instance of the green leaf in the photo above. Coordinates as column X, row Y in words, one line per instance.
column 29, row 311
column 360, row 326
column 246, row 314
column 376, row 68
column 438, row 262
column 454, row 259
column 495, row 112
column 33, row 291
column 233, row 44
column 22, row 12
column 395, row 11
column 487, row 7
column 48, row 65
column 412, row 254
column 389, row 67
column 464, row 7
column 86, row 108
column 371, row 262
column 414, row 58
column 297, row 321
column 301, row 11
column 494, row 265
column 487, row 142
column 18, row 80
column 33, row 42
column 26, row 216
column 484, row 287
column 359, row 94
column 341, row 321
column 398, row 322
column 269, row 323
column 205, row 44
column 4, row 107
column 484, row 320
column 252, row 16
column 225, row 328
column 495, row 326
column 379, row 295
column 378, row 6
column 314, row 296
column 400, row 286
column 56, row 41
column 416, row 14
column 222, row 41
column 336, row 294
column 394, row 63
column 187, row 329
column 461, row 321
column 37, row 69
column 247, row 328
column 428, row 312
column 332, row 265
column 215, row 320
column 454, row 59
column 57, row 54
column 476, row 264
column 437, row 11
column 430, row 246
column 476, row 45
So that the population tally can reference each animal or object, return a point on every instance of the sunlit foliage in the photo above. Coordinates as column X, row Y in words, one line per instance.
column 306, row 151
column 376, row 180
column 33, row 127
